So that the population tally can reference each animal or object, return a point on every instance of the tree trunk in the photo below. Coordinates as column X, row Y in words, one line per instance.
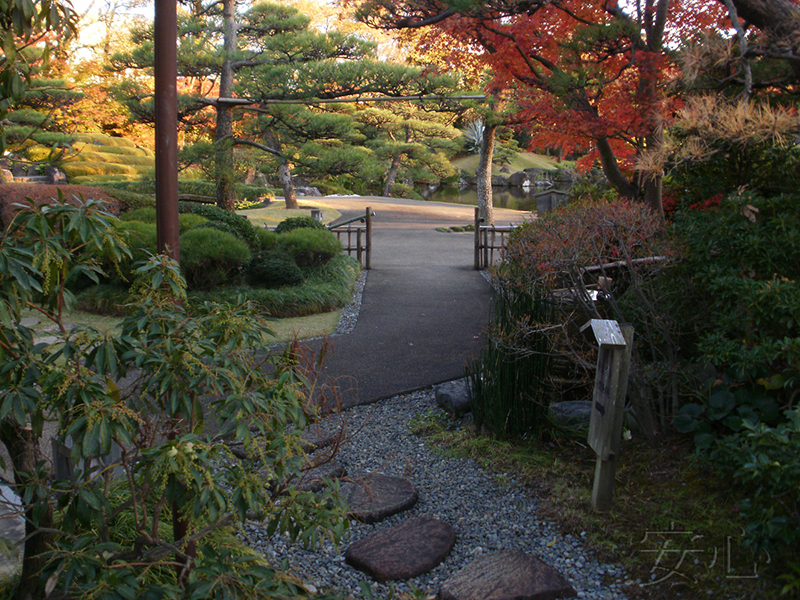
column 485, row 207
column 391, row 176
column 23, row 449
column 285, row 175
column 780, row 19
column 223, row 135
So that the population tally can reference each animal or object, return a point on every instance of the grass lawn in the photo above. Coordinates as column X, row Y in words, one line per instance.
column 276, row 212
column 285, row 329
column 523, row 160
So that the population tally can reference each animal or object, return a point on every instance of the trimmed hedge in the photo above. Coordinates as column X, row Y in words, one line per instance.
column 272, row 269
column 298, row 223
column 210, row 257
column 310, row 247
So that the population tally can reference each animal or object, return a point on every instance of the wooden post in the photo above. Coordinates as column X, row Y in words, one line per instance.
column 358, row 246
column 608, row 404
column 368, row 221
column 477, row 239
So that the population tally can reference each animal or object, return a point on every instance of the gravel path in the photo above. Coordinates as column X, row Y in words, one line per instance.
column 486, row 515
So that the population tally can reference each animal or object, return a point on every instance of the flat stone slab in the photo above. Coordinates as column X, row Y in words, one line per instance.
column 506, row 575
column 404, row 551
column 316, row 438
column 313, row 479
column 379, row 496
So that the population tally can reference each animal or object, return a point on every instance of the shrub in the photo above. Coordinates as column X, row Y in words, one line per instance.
column 142, row 240
column 210, row 257
column 739, row 287
column 762, row 460
column 310, row 246
column 272, row 269
column 145, row 215
column 298, row 223
column 224, row 220
column 326, row 288
column 189, row 221
column 602, row 260
column 266, row 238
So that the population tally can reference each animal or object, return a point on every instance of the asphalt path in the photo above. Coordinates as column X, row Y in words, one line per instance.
column 424, row 307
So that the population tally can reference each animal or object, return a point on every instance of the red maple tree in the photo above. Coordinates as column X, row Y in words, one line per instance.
column 586, row 76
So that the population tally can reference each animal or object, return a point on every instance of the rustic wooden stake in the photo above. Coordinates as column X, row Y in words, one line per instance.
column 608, row 404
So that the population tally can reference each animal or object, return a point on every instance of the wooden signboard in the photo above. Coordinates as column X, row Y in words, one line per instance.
column 608, row 403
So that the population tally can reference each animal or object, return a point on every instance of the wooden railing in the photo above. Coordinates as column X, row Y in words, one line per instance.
column 356, row 237
column 489, row 238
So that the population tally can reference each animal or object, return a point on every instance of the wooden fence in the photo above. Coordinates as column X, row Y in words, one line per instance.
column 488, row 239
column 355, row 235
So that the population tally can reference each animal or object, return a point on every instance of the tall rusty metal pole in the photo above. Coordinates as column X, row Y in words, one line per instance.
column 166, row 118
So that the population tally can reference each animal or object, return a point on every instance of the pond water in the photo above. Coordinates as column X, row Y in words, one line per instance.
column 515, row 198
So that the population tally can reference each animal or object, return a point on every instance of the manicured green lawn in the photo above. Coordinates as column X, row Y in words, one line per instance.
column 276, row 212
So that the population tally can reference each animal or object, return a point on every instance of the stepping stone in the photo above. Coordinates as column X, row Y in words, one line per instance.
column 506, row 575
column 316, row 438
column 313, row 477
column 29, row 321
column 379, row 496
column 412, row 548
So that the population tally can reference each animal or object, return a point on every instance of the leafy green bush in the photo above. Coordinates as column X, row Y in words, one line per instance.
column 100, row 540
column 298, row 223
column 266, row 238
column 738, row 279
column 224, row 220
column 326, row 288
column 189, row 221
column 310, row 246
column 210, row 257
column 762, row 460
column 271, row 269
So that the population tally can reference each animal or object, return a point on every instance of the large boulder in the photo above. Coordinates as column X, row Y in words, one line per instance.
column 571, row 414
column 453, row 397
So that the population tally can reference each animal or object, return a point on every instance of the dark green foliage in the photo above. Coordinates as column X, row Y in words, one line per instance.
column 401, row 190
column 266, row 238
column 189, row 221
column 105, row 299
column 310, row 247
column 189, row 187
column 739, row 280
column 326, row 288
column 298, row 223
column 145, row 215
column 224, row 220
column 508, row 385
column 142, row 239
column 272, row 269
column 210, row 257
column 765, row 168
column 762, row 461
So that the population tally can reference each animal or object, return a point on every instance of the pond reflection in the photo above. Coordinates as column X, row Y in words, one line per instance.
column 515, row 198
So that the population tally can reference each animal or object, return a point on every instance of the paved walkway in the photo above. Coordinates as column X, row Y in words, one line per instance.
column 424, row 306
